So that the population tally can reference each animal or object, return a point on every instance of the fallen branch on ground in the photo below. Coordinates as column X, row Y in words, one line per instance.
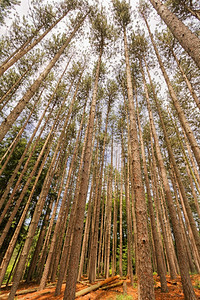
column 112, row 285
column 95, row 286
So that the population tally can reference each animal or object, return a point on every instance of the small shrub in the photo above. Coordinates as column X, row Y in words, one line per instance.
column 122, row 297
column 197, row 284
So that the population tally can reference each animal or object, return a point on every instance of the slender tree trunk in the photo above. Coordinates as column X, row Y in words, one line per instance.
column 172, row 158
column 114, row 245
column 11, row 148
column 188, row 40
column 157, row 245
column 101, row 240
column 109, row 215
column 182, row 258
column 25, row 49
column 120, row 225
column 36, row 215
column 181, row 115
column 11, row 180
column 7, row 123
column 169, row 254
column 48, row 263
column 25, row 44
column 94, row 242
column 128, row 210
column 189, row 85
column 185, row 237
column 63, row 261
column 39, row 244
column 86, row 233
column 144, row 272
column 16, row 84
column 79, row 219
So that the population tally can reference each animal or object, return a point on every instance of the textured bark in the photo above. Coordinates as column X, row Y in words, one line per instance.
column 94, row 242
column 48, row 262
column 109, row 215
column 183, row 227
column 78, row 229
column 63, row 261
column 169, row 254
column 182, row 258
column 188, row 40
column 144, row 268
column 120, row 226
column 191, row 237
column 180, row 112
column 26, row 48
column 37, row 212
column 178, row 175
column 86, row 233
column 114, row 245
column 128, row 210
column 157, row 244
column 7, row 123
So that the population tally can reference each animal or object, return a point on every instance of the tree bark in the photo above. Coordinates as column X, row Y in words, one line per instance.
column 188, row 40
column 182, row 258
column 180, row 112
column 7, row 123
column 144, row 272
column 79, row 219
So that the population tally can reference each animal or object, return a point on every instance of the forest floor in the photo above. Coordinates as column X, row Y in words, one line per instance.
column 26, row 291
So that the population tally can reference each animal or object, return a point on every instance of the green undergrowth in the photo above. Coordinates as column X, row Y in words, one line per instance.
column 122, row 297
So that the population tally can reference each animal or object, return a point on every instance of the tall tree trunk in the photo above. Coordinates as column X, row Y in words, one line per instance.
column 128, row 209
column 37, row 213
column 13, row 241
column 120, row 225
column 94, row 242
column 157, row 244
column 13, row 145
column 187, row 81
column 182, row 258
column 181, row 115
column 169, row 254
column 15, row 85
column 25, row 49
column 172, row 158
column 144, row 272
column 65, row 251
column 188, row 40
column 114, row 245
column 79, row 219
column 7, row 123
column 109, row 215
column 48, row 262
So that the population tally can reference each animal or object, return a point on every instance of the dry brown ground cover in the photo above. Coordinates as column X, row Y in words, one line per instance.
column 175, row 291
